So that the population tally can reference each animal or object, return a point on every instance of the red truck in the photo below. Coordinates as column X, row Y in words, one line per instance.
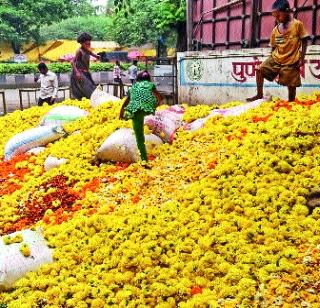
column 236, row 24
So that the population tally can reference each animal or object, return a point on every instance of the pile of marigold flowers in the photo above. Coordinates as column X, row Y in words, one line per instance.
column 220, row 220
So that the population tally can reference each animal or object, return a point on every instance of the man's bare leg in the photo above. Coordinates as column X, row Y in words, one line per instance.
column 291, row 94
column 259, row 81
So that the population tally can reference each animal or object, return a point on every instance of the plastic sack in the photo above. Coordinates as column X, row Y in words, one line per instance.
column 233, row 111
column 195, row 125
column 14, row 265
column 161, row 126
column 199, row 123
column 237, row 110
column 174, row 113
column 53, row 162
column 32, row 138
column 63, row 114
column 99, row 96
column 165, row 122
column 121, row 146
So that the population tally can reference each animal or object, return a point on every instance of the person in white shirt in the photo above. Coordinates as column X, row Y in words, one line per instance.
column 117, row 74
column 133, row 71
column 117, row 77
column 48, row 85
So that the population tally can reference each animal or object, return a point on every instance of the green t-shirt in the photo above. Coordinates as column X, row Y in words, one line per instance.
column 141, row 98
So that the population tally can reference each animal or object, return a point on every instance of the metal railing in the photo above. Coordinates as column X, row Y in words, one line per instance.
column 117, row 89
column 31, row 95
column 63, row 91
column 167, row 83
column 120, row 91
column 29, row 92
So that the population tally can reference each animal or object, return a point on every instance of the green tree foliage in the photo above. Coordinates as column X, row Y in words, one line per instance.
column 110, row 7
column 170, row 13
column 20, row 20
column 172, row 17
column 98, row 26
column 138, row 27
column 165, row 16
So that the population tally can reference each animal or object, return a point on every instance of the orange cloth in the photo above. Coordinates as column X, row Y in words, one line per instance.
column 287, row 45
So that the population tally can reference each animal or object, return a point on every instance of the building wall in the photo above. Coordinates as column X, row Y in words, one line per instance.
column 212, row 77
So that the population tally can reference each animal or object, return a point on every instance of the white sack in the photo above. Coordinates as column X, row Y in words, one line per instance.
column 53, row 162
column 99, row 96
column 14, row 265
column 32, row 138
column 121, row 146
column 36, row 151
column 63, row 114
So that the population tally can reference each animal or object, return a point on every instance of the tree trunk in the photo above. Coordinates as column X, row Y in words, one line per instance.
column 181, row 28
column 16, row 47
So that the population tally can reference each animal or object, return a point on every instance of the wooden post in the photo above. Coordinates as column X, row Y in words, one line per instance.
column 189, row 24
column 254, row 23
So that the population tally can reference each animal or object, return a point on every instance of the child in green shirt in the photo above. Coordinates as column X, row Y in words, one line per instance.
column 142, row 100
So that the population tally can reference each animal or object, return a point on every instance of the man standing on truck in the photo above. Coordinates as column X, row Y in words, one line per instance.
column 289, row 44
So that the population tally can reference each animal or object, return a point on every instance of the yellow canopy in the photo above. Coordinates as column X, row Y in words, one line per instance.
column 6, row 52
column 171, row 52
column 53, row 50
column 149, row 52
column 67, row 47
column 35, row 53
column 70, row 47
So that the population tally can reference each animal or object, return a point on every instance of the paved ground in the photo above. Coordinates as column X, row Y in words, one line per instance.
column 12, row 97
column 12, row 100
column 12, row 84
